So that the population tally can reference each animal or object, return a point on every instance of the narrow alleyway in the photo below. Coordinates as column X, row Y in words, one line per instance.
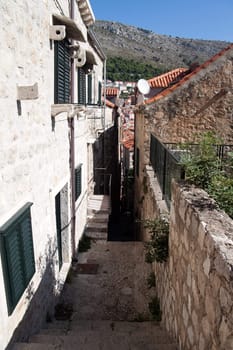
column 104, row 305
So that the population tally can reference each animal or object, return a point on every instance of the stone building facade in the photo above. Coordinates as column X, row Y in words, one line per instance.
column 201, row 101
column 48, row 124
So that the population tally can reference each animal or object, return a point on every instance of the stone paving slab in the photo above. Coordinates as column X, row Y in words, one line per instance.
column 34, row 346
column 86, row 269
column 119, row 291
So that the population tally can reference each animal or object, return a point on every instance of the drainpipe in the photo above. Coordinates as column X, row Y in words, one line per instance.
column 72, row 148
column 105, row 63
column 103, row 123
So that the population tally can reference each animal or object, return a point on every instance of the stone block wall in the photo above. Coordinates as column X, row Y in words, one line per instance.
column 195, row 285
column 202, row 103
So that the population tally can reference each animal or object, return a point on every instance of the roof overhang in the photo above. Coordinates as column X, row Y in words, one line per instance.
column 86, row 12
column 90, row 57
column 72, row 30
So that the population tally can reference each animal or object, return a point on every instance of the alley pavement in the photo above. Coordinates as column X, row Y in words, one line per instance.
column 104, row 303
column 115, row 286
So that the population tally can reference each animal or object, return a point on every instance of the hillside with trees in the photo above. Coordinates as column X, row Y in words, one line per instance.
column 143, row 53
column 119, row 68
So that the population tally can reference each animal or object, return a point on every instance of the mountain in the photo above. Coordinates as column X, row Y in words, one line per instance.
column 160, row 51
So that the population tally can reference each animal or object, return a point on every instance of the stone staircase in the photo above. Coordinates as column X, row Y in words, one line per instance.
column 107, row 295
column 100, row 335
column 98, row 211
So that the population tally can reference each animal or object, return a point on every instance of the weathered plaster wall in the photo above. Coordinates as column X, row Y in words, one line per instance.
column 195, row 285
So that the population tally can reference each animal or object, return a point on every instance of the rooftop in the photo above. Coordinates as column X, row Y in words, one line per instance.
column 166, row 79
column 188, row 76
column 111, row 91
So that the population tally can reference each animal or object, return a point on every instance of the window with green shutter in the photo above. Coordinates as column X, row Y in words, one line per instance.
column 62, row 72
column 81, row 86
column 89, row 89
column 78, row 181
column 17, row 255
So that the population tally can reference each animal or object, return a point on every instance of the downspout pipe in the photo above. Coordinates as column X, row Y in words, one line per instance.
column 105, row 64
column 72, row 147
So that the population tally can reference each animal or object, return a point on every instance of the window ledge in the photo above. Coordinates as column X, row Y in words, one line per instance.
column 70, row 108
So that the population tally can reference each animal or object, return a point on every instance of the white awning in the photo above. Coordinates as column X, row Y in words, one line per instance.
column 72, row 30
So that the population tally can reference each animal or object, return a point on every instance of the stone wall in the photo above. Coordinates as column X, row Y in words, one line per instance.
column 195, row 285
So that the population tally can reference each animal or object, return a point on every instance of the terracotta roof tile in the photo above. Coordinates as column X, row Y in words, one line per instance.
column 188, row 76
column 128, row 138
column 128, row 144
column 166, row 79
column 110, row 91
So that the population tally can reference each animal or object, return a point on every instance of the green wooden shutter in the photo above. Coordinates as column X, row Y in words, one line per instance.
column 89, row 89
column 27, row 246
column 17, row 255
column 13, row 269
column 62, row 72
column 81, row 86
column 78, row 181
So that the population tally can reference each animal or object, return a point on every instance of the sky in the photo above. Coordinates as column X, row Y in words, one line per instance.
column 196, row 19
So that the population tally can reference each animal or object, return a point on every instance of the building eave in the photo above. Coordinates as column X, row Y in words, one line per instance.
column 86, row 12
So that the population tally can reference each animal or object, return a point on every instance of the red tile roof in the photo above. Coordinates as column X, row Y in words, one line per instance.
column 128, row 138
column 129, row 144
column 110, row 91
column 164, row 80
column 190, row 75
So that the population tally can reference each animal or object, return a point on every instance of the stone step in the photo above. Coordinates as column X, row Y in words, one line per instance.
column 93, row 346
column 33, row 346
column 88, row 329
column 80, row 342
column 139, row 338
column 96, row 235
column 96, row 226
column 98, row 197
column 87, row 340
column 92, row 211
column 92, row 203
column 105, row 325
column 89, row 346
column 109, row 327
column 98, row 203
column 98, row 217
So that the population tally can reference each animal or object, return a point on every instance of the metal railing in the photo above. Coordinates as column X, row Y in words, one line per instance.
column 165, row 160
column 165, row 163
